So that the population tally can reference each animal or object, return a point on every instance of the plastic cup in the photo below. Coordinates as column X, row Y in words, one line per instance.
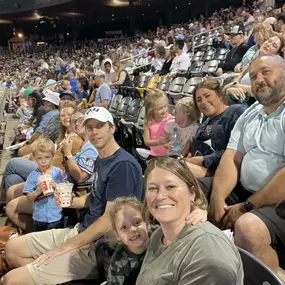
column 64, row 191
column 45, row 180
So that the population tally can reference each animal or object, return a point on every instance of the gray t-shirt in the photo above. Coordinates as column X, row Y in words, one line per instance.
column 200, row 255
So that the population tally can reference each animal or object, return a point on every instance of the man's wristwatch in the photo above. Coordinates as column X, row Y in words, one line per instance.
column 248, row 206
column 68, row 157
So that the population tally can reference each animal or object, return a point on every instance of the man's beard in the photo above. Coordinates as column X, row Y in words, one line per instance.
column 273, row 95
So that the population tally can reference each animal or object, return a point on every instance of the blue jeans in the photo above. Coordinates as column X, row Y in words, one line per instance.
column 40, row 226
column 17, row 171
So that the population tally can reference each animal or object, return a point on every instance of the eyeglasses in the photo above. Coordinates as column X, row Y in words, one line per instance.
column 77, row 122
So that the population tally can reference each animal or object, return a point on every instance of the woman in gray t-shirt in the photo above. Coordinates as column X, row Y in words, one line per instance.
column 180, row 253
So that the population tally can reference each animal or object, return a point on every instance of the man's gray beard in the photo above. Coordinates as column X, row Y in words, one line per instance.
column 274, row 95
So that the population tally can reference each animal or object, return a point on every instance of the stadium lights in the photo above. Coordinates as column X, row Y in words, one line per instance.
column 20, row 35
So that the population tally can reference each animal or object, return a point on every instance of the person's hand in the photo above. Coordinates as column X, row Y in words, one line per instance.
column 52, row 184
column 197, row 216
column 232, row 214
column 197, row 160
column 67, row 146
column 237, row 93
column 238, row 69
column 40, row 189
column 46, row 258
column 168, row 146
column 219, row 72
column 164, row 139
column 217, row 211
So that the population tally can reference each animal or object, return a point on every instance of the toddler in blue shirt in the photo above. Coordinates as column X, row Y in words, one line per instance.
column 46, row 214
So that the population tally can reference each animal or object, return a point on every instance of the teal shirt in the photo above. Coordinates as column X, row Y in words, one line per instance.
column 261, row 138
column 249, row 56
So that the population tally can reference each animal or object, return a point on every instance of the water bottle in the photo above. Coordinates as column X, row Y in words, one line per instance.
column 175, row 142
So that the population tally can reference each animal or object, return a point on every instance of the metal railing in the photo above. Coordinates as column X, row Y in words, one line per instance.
column 138, row 55
column 201, row 34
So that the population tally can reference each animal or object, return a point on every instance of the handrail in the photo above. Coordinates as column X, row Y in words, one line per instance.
column 138, row 55
column 198, row 35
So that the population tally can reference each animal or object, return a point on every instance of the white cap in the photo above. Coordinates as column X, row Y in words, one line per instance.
column 100, row 73
column 52, row 97
column 99, row 113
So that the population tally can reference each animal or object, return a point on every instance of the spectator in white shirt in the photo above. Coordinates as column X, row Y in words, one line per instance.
column 181, row 62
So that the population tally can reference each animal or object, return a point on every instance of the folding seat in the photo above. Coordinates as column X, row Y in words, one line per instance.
column 190, row 85
column 209, row 55
column 122, row 107
column 164, row 84
column 210, row 67
column 175, row 89
column 198, row 56
column 221, row 54
column 114, row 103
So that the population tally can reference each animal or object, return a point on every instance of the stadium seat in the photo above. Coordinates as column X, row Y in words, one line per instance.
column 221, row 54
column 190, row 85
column 175, row 89
column 122, row 107
column 209, row 55
column 142, row 84
column 210, row 67
column 164, row 84
column 198, row 56
column 195, row 69
column 114, row 103
column 256, row 272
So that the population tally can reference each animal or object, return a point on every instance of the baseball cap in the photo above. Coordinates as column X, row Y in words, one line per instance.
column 29, row 91
column 68, row 92
column 180, row 37
column 50, row 82
column 52, row 97
column 100, row 73
column 236, row 30
column 99, row 113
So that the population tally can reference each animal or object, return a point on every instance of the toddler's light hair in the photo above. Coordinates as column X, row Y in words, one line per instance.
column 121, row 203
column 151, row 98
column 189, row 108
column 44, row 145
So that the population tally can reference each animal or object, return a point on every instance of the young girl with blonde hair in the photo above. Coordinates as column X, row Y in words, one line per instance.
column 156, row 118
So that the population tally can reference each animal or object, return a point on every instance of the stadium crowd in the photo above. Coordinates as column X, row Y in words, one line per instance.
column 229, row 169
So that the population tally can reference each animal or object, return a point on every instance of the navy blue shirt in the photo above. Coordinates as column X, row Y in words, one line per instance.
column 118, row 175
column 217, row 130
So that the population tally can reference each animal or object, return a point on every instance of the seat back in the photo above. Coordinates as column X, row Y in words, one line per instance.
column 123, row 106
column 209, row 55
column 143, row 81
column 256, row 272
column 176, row 85
column 221, row 54
column 164, row 84
column 134, row 109
column 114, row 103
column 211, row 66
column 153, row 82
column 190, row 85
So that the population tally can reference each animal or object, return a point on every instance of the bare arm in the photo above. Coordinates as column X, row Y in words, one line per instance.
column 272, row 192
column 33, row 195
column 121, row 79
column 104, row 104
column 147, row 140
column 75, row 171
column 34, row 137
column 227, row 174
column 81, row 202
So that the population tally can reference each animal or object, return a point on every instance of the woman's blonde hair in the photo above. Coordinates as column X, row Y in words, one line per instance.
column 63, row 129
column 264, row 31
column 150, row 100
column 44, row 145
column 188, row 107
column 121, row 203
column 179, row 168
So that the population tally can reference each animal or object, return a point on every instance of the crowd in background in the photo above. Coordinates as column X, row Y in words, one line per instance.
column 229, row 168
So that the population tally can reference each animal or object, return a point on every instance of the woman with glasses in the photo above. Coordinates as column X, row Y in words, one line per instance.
column 180, row 253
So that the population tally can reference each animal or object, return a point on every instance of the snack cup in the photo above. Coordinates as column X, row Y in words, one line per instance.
column 45, row 180
column 64, row 191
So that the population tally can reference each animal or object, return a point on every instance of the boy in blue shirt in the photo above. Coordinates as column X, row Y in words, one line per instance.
column 46, row 214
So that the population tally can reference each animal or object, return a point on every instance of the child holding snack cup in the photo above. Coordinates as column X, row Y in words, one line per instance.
column 40, row 187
